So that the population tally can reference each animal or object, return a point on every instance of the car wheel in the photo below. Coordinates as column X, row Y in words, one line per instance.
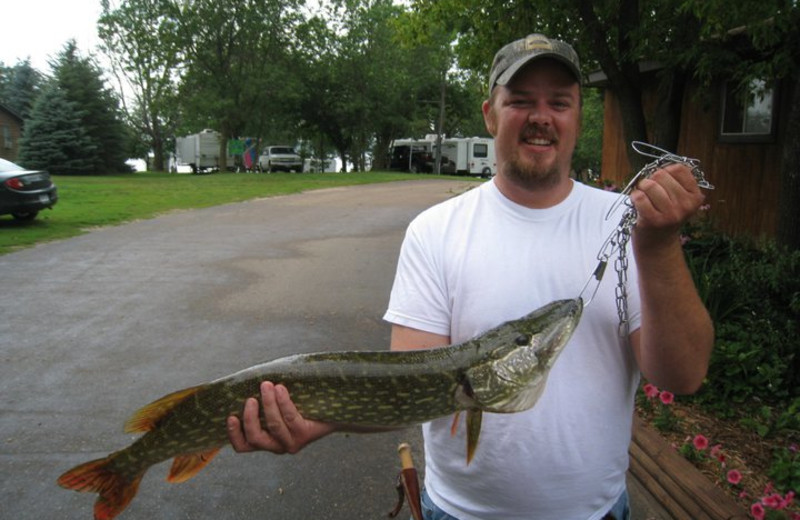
column 486, row 173
column 25, row 216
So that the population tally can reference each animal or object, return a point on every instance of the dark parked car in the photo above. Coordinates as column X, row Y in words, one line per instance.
column 23, row 193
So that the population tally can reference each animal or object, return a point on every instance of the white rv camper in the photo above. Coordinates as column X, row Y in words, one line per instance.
column 460, row 155
column 199, row 151
column 469, row 156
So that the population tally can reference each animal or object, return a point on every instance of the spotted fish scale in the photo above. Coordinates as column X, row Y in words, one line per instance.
column 503, row 370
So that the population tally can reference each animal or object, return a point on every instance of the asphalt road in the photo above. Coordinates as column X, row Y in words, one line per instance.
column 96, row 326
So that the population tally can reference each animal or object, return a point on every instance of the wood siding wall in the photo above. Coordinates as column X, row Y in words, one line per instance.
column 10, row 132
column 746, row 177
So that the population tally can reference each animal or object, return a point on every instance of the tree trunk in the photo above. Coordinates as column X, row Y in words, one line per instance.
column 633, row 124
column 789, row 199
column 623, row 75
column 667, row 122
column 223, row 152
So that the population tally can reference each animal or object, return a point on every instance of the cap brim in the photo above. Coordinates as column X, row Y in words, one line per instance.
column 511, row 71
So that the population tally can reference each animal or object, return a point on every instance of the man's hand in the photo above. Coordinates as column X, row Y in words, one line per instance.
column 664, row 202
column 284, row 429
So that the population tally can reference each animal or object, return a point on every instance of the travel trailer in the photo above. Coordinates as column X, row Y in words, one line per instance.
column 460, row 155
column 470, row 155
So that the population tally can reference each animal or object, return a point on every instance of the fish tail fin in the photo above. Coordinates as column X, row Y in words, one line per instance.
column 97, row 476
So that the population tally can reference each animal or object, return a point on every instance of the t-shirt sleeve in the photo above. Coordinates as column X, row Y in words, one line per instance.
column 419, row 297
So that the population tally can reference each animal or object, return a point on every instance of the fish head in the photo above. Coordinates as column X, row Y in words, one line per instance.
column 511, row 376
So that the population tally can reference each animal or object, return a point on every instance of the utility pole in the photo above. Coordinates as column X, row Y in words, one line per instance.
column 440, row 126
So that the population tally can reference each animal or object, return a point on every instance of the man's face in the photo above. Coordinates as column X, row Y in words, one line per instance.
column 535, row 120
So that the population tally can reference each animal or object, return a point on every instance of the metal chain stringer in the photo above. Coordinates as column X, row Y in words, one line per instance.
column 617, row 241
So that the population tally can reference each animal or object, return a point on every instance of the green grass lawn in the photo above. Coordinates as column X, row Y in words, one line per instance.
column 88, row 202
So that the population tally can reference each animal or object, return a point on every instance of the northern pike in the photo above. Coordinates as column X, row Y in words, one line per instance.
column 503, row 370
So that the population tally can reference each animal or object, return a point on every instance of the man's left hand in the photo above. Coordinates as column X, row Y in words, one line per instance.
column 664, row 201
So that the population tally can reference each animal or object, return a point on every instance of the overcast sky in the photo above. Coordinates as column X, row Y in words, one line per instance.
column 39, row 28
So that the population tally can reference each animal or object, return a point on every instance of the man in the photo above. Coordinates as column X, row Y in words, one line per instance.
column 526, row 238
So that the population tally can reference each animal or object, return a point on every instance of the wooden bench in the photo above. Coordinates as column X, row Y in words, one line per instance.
column 680, row 488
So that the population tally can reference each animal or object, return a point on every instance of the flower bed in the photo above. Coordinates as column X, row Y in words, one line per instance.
column 738, row 460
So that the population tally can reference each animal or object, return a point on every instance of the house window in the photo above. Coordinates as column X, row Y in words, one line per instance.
column 749, row 115
column 7, row 140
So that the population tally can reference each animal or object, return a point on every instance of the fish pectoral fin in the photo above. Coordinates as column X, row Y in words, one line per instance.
column 147, row 417
column 186, row 466
column 98, row 476
column 454, row 426
column 473, row 432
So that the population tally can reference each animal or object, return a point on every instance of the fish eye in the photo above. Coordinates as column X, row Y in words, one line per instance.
column 522, row 340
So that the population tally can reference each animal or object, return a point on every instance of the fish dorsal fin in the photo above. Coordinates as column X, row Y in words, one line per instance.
column 186, row 466
column 147, row 417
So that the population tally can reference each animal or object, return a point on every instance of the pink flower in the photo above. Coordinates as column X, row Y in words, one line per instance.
column 757, row 510
column 685, row 240
column 716, row 452
column 773, row 501
column 734, row 476
column 700, row 442
column 650, row 391
column 743, row 494
column 666, row 397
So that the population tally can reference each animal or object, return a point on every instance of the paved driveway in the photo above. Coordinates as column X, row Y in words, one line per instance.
column 137, row 311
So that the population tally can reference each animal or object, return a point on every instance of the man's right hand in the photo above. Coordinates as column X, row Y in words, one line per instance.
column 286, row 430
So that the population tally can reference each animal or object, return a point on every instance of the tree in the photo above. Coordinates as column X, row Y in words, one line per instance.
column 362, row 86
column 20, row 87
column 237, row 64
column 141, row 39
column 54, row 137
column 81, row 82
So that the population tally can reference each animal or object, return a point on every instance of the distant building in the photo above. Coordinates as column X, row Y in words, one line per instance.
column 10, row 133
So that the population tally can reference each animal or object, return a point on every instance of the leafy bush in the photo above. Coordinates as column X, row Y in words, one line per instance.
column 752, row 291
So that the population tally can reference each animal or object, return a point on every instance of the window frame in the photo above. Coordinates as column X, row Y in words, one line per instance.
column 743, row 136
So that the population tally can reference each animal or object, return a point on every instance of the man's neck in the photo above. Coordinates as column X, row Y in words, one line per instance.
column 539, row 197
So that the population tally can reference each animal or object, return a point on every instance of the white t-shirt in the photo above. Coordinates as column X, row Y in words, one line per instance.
column 478, row 260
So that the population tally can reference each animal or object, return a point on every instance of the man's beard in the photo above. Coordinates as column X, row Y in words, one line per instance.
column 529, row 174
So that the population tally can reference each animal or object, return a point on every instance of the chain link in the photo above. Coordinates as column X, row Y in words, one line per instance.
column 617, row 241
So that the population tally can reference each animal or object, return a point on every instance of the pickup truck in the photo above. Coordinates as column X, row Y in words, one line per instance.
column 280, row 158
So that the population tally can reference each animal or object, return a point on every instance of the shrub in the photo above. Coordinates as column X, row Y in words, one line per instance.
column 752, row 291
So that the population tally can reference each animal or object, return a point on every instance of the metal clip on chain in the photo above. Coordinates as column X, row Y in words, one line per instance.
column 617, row 241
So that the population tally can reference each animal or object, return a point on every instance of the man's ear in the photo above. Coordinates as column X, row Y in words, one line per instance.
column 489, row 117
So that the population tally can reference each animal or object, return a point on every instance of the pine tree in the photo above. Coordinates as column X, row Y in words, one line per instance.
column 20, row 87
column 54, row 138
column 81, row 82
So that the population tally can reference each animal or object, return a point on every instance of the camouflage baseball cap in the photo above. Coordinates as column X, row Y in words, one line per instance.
column 515, row 55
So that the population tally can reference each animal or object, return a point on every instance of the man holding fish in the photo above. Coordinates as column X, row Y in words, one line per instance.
column 526, row 238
